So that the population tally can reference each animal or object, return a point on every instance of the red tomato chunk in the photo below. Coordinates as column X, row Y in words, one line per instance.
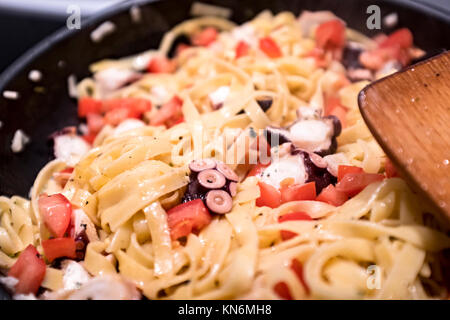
column 269, row 196
column 270, row 47
column 330, row 35
column 293, row 216
column 242, row 49
column 332, row 196
column 56, row 212
column 354, row 183
column 298, row 192
column 58, row 248
column 29, row 269
column 187, row 217
column 205, row 37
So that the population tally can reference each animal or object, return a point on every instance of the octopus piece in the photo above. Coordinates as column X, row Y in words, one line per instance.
column 301, row 166
column 219, row 201
column 83, row 231
column 214, row 183
column 313, row 135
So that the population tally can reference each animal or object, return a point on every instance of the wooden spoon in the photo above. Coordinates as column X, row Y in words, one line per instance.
column 409, row 115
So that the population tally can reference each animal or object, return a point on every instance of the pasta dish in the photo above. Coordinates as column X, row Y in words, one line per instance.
column 230, row 163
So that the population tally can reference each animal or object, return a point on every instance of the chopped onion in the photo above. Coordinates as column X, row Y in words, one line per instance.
column 19, row 141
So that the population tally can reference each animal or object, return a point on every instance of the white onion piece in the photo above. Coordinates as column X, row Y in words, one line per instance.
column 70, row 148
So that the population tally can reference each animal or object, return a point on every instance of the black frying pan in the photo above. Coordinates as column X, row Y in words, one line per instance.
column 40, row 114
column 71, row 51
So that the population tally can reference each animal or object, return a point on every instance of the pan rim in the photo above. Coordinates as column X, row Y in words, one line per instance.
column 47, row 43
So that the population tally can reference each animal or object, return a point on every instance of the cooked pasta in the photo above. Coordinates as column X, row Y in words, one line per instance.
column 378, row 244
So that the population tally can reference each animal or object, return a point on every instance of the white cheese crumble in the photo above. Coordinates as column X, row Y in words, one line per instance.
column 74, row 275
column 219, row 96
column 19, row 141
column 102, row 31
column 9, row 282
column 11, row 95
column 35, row 75
column 20, row 296
column 159, row 94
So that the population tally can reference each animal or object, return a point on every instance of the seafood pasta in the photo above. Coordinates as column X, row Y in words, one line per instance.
column 230, row 163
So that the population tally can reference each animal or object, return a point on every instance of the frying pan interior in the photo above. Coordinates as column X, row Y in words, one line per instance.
column 45, row 107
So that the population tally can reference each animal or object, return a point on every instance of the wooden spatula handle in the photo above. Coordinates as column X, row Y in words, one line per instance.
column 409, row 115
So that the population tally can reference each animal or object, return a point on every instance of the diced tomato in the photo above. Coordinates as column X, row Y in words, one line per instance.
column 257, row 169
column 270, row 196
column 293, row 216
column 270, row 47
column 319, row 57
column 29, row 269
column 334, row 107
column 331, row 102
column 330, row 35
column 55, row 211
column 242, row 49
column 180, row 48
column 88, row 105
column 343, row 170
column 171, row 110
column 205, row 37
column 390, row 170
column 297, row 267
column 332, row 196
column 63, row 176
column 161, row 65
column 58, row 248
column 282, row 290
column 354, row 183
column 95, row 122
column 136, row 106
column 187, row 217
column 341, row 113
column 116, row 116
column 297, row 192
column 402, row 37
column 89, row 138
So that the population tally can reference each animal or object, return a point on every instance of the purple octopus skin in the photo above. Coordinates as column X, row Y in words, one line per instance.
column 350, row 57
column 195, row 190
column 320, row 176
column 81, row 241
column 277, row 136
column 337, row 129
